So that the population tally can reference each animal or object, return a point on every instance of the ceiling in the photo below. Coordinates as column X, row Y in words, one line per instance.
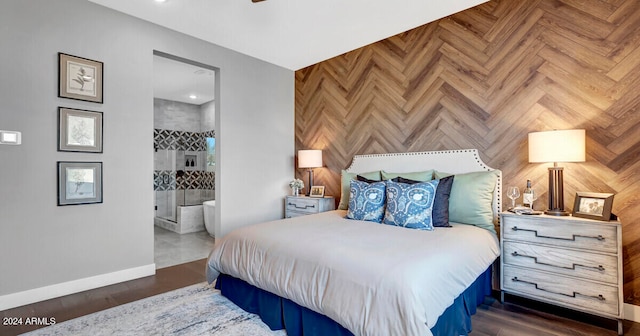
column 290, row 33
column 177, row 81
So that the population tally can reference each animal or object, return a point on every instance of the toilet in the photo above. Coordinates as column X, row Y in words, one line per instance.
column 209, row 208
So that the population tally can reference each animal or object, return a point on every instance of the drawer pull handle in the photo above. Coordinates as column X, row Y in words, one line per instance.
column 598, row 237
column 575, row 294
column 573, row 267
column 303, row 207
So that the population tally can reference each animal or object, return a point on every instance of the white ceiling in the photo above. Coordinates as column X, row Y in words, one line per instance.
column 291, row 33
column 174, row 80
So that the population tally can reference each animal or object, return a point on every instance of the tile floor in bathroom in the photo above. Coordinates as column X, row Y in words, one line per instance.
column 173, row 248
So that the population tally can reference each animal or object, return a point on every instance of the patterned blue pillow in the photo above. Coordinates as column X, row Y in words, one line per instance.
column 410, row 205
column 366, row 201
column 440, row 212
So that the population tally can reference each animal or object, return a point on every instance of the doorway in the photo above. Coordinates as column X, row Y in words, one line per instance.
column 184, row 161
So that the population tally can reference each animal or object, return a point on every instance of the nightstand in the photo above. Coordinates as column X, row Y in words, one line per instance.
column 296, row 206
column 562, row 260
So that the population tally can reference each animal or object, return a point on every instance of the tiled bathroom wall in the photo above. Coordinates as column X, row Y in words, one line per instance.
column 194, row 185
column 180, row 174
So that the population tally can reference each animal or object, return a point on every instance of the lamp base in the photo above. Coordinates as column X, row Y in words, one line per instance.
column 310, row 182
column 556, row 192
column 557, row 213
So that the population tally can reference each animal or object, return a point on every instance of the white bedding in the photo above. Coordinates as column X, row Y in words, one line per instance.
column 373, row 279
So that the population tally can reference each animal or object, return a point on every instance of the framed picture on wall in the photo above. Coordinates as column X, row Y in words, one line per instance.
column 79, row 78
column 317, row 191
column 593, row 205
column 79, row 183
column 79, row 130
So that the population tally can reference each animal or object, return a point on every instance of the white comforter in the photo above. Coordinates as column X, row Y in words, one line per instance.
column 373, row 279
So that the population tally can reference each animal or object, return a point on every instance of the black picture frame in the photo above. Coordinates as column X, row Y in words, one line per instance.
column 80, row 130
column 79, row 183
column 80, row 78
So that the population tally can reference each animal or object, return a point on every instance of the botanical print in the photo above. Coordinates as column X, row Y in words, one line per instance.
column 81, row 79
column 80, row 183
column 81, row 131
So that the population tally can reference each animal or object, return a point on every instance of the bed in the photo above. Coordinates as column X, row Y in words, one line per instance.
column 325, row 274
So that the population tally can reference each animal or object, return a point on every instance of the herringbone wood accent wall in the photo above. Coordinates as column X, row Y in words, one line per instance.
column 484, row 78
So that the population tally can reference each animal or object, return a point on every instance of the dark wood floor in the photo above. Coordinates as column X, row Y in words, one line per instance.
column 75, row 305
column 516, row 317
column 523, row 317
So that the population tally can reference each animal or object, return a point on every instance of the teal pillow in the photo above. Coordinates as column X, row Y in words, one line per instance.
column 471, row 198
column 346, row 183
column 422, row 176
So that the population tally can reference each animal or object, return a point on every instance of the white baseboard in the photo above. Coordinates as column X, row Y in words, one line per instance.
column 49, row 292
column 631, row 312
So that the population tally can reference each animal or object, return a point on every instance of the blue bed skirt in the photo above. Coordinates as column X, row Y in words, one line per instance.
column 280, row 313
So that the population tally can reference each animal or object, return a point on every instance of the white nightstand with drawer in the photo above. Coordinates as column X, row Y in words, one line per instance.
column 565, row 261
column 295, row 206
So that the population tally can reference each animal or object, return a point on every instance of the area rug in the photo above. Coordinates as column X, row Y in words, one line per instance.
column 195, row 310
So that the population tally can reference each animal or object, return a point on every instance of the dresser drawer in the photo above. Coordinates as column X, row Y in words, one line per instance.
column 557, row 289
column 292, row 214
column 587, row 265
column 303, row 204
column 566, row 233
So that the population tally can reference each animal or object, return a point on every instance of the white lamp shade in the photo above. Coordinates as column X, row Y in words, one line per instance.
column 310, row 158
column 557, row 146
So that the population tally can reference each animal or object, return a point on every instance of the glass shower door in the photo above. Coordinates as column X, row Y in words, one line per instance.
column 165, row 184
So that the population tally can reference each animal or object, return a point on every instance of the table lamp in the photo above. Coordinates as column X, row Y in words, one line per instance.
column 557, row 146
column 310, row 158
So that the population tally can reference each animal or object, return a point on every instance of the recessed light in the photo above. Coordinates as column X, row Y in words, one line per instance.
column 160, row 1
column 192, row 96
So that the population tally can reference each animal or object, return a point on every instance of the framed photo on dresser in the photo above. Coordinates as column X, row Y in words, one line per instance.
column 593, row 205
column 317, row 191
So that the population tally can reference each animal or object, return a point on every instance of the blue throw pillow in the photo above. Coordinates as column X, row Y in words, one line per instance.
column 440, row 212
column 366, row 201
column 364, row 179
column 410, row 205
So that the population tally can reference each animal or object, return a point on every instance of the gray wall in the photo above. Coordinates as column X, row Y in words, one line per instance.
column 208, row 118
column 43, row 244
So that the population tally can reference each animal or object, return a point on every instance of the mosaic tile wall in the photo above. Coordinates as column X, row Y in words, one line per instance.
column 181, row 140
column 164, row 180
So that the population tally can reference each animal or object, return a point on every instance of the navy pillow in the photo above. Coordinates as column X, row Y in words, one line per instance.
column 364, row 179
column 366, row 201
column 440, row 211
column 441, row 206
column 410, row 205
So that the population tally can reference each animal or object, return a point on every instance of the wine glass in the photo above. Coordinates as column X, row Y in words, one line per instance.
column 513, row 193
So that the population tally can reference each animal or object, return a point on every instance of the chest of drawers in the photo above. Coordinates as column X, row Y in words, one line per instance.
column 565, row 261
column 295, row 206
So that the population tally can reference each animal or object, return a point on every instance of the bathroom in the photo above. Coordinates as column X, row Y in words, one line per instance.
column 184, row 160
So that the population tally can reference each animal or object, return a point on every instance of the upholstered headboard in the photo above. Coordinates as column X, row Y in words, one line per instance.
column 457, row 161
